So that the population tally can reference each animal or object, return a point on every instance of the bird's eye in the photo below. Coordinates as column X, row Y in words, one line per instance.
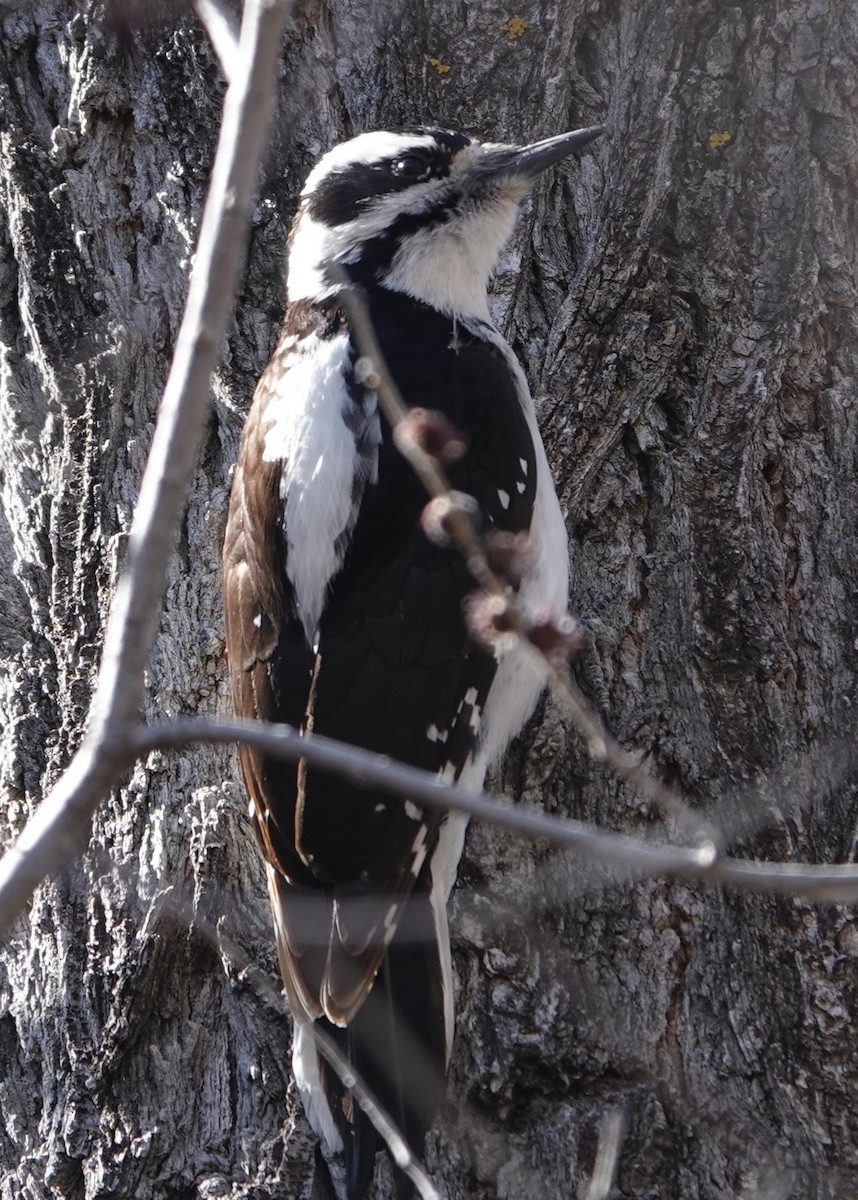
column 411, row 166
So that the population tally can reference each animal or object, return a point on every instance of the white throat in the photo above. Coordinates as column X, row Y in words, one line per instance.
column 446, row 265
column 449, row 266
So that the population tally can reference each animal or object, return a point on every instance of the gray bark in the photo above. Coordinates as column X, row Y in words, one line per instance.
column 685, row 306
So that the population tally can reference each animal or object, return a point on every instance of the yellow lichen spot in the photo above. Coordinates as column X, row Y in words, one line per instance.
column 717, row 141
column 438, row 67
column 514, row 28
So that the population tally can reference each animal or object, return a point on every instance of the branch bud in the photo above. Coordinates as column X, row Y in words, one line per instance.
column 430, row 432
column 491, row 621
column 439, row 516
column 556, row 638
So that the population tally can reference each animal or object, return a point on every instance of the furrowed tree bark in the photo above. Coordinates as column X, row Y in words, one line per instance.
column 683, row 299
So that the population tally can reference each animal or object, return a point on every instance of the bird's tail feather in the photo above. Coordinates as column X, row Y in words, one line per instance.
column 397, row 1045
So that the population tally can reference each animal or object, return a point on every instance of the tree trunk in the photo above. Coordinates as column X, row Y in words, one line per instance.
column 683, row 299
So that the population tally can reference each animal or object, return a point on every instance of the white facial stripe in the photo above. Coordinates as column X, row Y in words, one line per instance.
column 316, row 245
column 367, row 148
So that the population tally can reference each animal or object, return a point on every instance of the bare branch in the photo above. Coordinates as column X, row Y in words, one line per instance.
column 178, row 434
column 222, row 28
column 836, row 883
column 604, row 748
column 64, row 815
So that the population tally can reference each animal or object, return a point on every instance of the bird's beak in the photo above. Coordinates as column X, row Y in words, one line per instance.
column 531, row 160
column 526, row 162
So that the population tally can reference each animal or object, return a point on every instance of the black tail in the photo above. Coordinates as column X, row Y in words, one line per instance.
column 397, row 1045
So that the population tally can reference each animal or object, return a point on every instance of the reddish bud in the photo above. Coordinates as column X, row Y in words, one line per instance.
column 429, row 431
column 491, row 621
column 556, row 639
column 439, row 516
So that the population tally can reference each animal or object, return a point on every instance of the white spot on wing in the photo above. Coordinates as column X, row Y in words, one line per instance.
column 522, row 462
column 257, row 620
column 503, row 497
column 418, row 849
column 413, row 811
column 418, row 846
column 471, row 696
column 520, row 486
column 434, row 734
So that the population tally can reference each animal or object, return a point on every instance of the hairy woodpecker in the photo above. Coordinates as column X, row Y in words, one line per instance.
column 343, row 618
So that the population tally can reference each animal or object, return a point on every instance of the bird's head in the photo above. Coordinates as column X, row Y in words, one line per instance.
column 425, row 212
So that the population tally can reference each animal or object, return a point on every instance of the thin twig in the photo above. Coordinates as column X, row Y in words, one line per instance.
column 223, row 30
column 604, row 748
column 381, row 1121
column 63, row 818
column 600, row 745
column 835, row 883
